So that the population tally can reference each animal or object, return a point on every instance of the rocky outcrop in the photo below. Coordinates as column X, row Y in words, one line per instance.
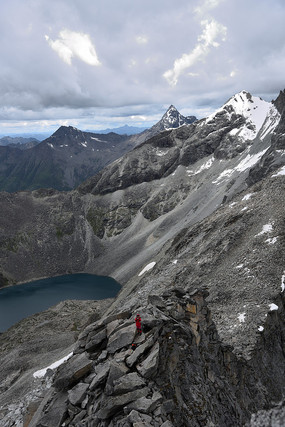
column 165, row 376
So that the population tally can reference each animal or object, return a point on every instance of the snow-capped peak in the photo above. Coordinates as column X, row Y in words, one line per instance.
column 252, row 108
column 173, row 119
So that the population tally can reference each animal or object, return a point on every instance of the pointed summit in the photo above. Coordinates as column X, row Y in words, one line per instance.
column 172, row 119
column 253, row 109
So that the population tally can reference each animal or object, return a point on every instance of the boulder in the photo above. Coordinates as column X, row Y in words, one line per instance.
column 102, row 371
column 112, row 404
column 128, row 382
column 95, row 340
column 132, row 359
column 146, row 405
column 72, row 371
column 117, row 370
column 135, row 417
column 76, row 394
column 148, row 367
column 52, row 412
column 121, row 338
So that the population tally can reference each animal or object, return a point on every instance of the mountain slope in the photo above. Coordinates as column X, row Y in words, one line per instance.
column 186, row 209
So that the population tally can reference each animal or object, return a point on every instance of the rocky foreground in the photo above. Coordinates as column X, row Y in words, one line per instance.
column 177, row 373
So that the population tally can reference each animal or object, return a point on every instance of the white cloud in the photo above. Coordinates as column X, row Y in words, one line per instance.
column 141, row 39
column 212, row 30
column 207, row 5
column 71, row 43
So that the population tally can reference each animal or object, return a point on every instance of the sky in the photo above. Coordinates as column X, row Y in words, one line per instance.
column 97, row 64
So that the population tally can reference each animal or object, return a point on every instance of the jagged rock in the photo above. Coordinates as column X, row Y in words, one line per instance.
column 95, row 340
column 51, row 412
column 121, row 338
column 72, row 371
column 148, row 367
column 146, row 405
column 78, row 418
column 135, row 417
column 102, row 372
column 141, row 349
column 112, row 326
column 168, row 424
column 112, row 404
column 128, row 382
column 76, row 394
column 117, row 370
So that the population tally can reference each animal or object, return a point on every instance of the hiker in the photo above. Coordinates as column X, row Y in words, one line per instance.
column 138, row 323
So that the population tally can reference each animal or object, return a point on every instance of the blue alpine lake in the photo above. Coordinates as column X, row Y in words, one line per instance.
column 20, row 301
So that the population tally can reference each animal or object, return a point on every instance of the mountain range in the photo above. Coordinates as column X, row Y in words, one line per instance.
column 69, row 156
column 191, row 223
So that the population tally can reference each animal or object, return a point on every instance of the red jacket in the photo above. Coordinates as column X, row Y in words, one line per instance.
column 138, row 321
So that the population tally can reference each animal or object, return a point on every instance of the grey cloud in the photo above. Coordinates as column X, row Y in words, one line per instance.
column 35, row 83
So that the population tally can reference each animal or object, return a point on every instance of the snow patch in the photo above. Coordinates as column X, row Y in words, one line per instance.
column 175, row 261
column 147, row 268
column 84, row 144
column 51, row 145
column 249, row 161
column 281, row 172
column 267, row 228
column 239, row 266
column 271, row 241
column 247, row 196
column 41, row 373
column 204, row 166
column 241, row 317
column 261, row 328
column 273, row 307
column 161, row 153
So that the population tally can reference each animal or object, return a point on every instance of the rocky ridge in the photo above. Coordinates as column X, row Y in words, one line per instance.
column 163, row 377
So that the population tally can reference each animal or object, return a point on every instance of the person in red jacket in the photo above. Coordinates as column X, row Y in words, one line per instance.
column 138, row 323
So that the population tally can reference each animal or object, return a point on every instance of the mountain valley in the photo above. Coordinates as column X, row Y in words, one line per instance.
column 190, row 220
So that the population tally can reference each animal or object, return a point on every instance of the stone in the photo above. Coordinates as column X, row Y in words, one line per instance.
column 146, row 405
column 51, row 412
column 72, row 371
column 112, row 326
column 117, row 370
column 76, row 394
column 132, row 359
column 78, row 417
column 121, row 338
column 167, row 424
column 95, row 340
column 101, row 374
column 112, row 404
column 135, row 417
column 148, row 367
column 128, row 382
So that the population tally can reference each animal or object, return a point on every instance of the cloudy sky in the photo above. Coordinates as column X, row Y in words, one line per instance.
column 95, row 64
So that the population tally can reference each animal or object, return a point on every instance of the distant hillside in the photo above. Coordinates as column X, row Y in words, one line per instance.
column 122, row 130
column 70, row 156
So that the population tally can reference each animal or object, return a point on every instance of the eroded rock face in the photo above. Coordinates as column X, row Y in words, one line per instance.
column 177, row 373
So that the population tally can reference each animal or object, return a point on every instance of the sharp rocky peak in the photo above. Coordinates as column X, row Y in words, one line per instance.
column 173, row 119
